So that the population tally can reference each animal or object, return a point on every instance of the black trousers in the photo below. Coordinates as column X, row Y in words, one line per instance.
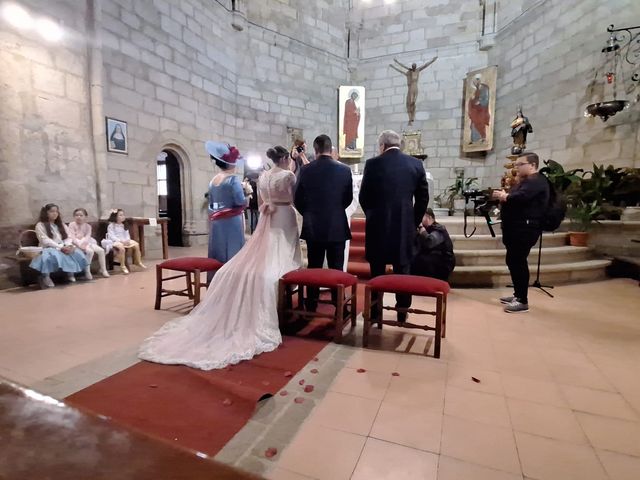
column 316, row 252
column 403, row 301
column 518, row 240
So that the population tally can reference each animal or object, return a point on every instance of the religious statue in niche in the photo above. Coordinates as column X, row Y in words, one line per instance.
column 520, row 127
column 480, row 100
column 412, row 74
column 351, row 121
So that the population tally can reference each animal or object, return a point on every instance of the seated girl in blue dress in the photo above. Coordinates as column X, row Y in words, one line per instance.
column 58, row 251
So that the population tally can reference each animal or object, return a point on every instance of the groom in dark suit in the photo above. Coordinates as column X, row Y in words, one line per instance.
column 394, row 196
column 323, row 191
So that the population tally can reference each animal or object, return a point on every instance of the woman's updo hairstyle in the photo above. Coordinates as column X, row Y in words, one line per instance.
column 278, row 154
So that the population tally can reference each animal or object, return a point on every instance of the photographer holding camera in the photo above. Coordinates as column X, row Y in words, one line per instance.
column 522, row 211
column 298, row 156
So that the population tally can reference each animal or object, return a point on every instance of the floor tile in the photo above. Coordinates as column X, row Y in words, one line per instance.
column 545, row 421
column 485, row 445
column 462, row 376
column 367, row 384
column 547, row 459
column 409, row 426
column 413, row 392
column 387, row 461
column 346, row 412
column 454, row 469
column 620, row 467
column 384, row 362
column 532, row 390
column 423, row 368
column 282, row 474
column 322, row 453
column 613, row 434
column 598, row 402
column 477, row 406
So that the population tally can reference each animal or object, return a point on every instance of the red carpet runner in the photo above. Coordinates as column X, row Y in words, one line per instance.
column 192, row 408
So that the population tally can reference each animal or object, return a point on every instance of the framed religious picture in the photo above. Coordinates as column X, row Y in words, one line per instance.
column 350, row 121
column 412, row 144
column 293, row 134
column 117, row 136
column 479, row 109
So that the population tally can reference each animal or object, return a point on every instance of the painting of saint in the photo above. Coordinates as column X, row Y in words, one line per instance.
column 480, row 88
column 351, row 121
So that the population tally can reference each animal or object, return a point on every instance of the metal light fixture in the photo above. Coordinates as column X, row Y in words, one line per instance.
column 622, row 43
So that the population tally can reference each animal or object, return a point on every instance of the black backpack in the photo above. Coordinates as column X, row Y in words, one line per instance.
column 556, row 209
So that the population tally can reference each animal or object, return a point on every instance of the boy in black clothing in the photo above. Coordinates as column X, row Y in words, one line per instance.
column 434, row 257
column 521, row 213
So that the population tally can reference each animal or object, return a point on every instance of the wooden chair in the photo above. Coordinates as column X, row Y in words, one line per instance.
column 344, row 284
column 409, row 285
column 191, row 268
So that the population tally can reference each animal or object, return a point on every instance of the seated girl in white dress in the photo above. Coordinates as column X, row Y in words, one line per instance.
column 119, row 239
column 238, row 317
column 80, row 233
column 58, row 251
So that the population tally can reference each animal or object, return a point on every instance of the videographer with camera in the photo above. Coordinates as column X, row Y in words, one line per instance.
column 522, row 211
column 298, row 156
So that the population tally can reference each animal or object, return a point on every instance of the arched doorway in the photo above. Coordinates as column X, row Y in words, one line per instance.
column 170, row 195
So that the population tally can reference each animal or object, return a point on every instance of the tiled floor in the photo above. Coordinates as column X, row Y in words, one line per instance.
column 558, row 395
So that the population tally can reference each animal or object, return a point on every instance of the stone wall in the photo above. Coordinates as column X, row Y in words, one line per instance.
column 547, row 59
column 46, row 150
column 414, row 33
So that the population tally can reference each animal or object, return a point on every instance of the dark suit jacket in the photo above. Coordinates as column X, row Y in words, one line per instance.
column 394, row 196
column 323, row 191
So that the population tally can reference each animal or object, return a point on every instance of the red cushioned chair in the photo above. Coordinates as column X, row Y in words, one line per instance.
column 410, row 285
column 296, row 280
column 189, row 266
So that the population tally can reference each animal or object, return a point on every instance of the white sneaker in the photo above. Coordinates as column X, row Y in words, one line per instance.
column 72, row 277
column 87, row 274
column 46, row 282
column 105, row 274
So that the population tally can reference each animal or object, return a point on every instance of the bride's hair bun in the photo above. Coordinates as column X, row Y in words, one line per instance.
column 277, row 153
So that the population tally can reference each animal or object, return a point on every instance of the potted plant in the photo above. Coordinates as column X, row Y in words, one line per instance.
column 453, row 192
column 441, row 206
column 581, row 215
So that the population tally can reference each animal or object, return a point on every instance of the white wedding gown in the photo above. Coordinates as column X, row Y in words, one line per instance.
column 237, row 318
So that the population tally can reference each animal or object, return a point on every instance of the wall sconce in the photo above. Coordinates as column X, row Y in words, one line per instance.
column 623, row 43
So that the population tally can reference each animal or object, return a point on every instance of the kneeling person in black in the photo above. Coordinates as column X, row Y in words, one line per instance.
column 522, row 211
column 434, row 256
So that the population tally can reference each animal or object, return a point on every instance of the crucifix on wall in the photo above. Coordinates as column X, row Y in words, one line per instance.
column 412, row 74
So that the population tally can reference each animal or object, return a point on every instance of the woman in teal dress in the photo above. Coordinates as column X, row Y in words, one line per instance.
column 227, row 202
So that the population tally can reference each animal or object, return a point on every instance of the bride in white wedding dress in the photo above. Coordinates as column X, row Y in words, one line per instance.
column 237, row 318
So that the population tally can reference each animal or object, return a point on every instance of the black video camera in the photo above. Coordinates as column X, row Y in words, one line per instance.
column 483, row 204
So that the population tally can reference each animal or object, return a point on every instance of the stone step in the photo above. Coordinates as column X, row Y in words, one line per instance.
column 556, row 274
column 455, row 225
column 485, row 242
column 550, row 256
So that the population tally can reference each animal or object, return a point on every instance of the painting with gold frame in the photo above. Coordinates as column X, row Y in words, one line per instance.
column 351, row 101
column 412, row 143
column 479, row 109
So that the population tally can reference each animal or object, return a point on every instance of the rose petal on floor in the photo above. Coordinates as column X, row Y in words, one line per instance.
column 227, row 402
column 308, row 388
column 288, row 374
column 395, row 374
column 314, row 370
column 301, row 382
column 284, row 393
column 270, row 452
column 298, row 400
column 475, row 379
column 361, row 370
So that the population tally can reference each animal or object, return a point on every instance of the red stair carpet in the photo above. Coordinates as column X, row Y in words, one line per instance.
column 357, row 264
column 192, row 408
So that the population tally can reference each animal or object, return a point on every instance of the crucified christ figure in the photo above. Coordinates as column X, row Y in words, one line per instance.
column 412, row 75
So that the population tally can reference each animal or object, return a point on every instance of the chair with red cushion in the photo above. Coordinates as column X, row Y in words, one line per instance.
column 189, row 266
column 336, row 280
column 410, row 285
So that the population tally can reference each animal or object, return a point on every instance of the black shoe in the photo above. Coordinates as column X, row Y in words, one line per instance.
column 402, row 317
